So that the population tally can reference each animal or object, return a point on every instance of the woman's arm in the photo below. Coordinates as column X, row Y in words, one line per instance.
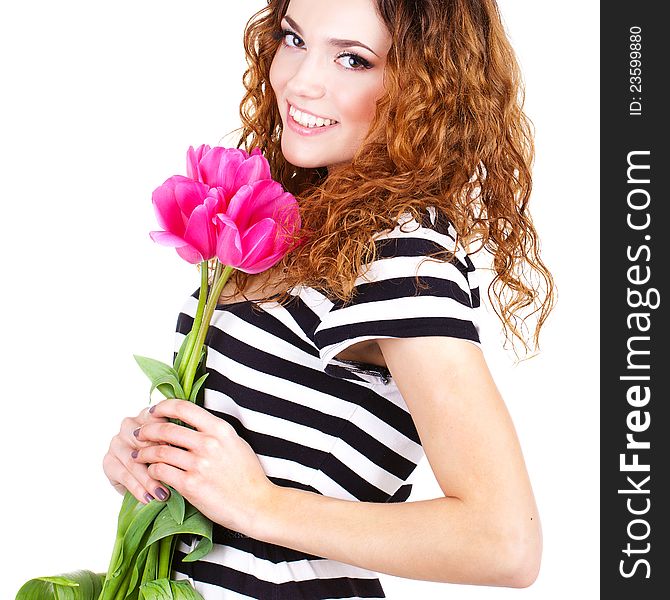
column 485, row 530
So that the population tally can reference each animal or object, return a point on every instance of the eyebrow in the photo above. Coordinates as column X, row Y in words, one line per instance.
column 333, row 41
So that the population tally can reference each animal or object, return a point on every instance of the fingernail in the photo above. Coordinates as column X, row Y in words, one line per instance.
column 134, row 453
column 136, row 433
column 161, row 494
column 152, row 409
column 148, row 497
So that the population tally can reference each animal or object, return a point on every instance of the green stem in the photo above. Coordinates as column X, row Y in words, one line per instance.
column 202, row 299
column 117, row 588
column 151, row 565
column 125, row 584
column 194, row 359
column 165, row 557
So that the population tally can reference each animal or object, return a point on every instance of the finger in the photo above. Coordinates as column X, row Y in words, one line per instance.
column 130, row 428
column 169, row 455
column 122, row 479
column 120, row 467
column 168, row 433
column 188, row 412
column 147, row 416
column 170, row 475
column 128, row 432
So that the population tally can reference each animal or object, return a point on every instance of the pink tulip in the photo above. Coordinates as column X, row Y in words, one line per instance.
column 258, row 226
column 228, row 207
column 185, row 209
column 227, row 168
column 193, row 158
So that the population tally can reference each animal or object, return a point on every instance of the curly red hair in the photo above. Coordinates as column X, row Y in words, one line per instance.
column 449, row 132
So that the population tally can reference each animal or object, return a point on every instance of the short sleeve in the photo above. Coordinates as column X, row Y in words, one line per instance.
column 408, row 291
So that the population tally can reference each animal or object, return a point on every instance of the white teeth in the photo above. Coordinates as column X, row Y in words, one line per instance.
column 307, row 120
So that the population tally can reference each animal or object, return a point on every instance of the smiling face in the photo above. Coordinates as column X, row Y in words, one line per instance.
column 327, row 74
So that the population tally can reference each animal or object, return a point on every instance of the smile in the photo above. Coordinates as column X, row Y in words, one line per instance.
column 308, row 121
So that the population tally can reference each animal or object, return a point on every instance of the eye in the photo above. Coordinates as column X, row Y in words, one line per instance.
column 351, row 61
column 354, row 61
column 283, row 34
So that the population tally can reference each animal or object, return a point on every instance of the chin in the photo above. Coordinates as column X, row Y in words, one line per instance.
column 302, row 158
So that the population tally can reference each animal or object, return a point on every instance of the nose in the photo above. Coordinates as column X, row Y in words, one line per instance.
column 307, row 79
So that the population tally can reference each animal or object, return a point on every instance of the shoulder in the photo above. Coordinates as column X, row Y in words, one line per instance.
column 405, row 250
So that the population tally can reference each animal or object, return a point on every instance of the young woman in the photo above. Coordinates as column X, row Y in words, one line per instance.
column 398, row 126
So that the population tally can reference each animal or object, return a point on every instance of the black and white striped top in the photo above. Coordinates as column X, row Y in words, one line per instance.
column 321, row 424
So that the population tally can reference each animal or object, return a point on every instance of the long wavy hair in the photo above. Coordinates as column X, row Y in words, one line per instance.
column 449, row 132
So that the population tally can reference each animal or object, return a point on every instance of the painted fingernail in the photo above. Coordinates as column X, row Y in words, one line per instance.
column 148, row 497
column 136, row 433
column 152, row 409
column 161, row 494
column 134, row 453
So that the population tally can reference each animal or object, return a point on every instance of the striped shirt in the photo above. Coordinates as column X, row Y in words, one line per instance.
column 319, row 423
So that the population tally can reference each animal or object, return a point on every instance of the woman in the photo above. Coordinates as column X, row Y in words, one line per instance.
column 398, row 126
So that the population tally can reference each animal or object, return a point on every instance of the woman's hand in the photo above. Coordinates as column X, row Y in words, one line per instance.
column 120, row 466
column 211, row 466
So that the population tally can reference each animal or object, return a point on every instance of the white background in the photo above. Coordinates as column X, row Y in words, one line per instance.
column 100, row 102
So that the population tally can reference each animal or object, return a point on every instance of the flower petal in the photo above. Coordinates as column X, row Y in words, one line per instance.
column 259, row 246
column 168, row 213
column 165, row 238
column 254, row 168
column 287, row 213
column 229, row 244
column 190, row 254
column 184, row 250
column 201, row 232
column 265, row 195
column 189, row 194
column 241, row 207
column 218, row 168
column 193, row 160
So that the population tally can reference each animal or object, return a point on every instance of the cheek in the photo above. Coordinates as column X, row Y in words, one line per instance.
column 361, row 104
column 276, row 80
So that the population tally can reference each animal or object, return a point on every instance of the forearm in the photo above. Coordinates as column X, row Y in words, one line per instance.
column 443, row 539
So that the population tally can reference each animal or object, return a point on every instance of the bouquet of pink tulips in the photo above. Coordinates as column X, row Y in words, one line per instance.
column 226, row 214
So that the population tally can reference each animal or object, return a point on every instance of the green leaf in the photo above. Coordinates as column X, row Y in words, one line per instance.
column 196, row 387
column 194, row 523
column 164, row 589
column 129, row 507
column 79, row 585
column 182, row 351
column 60, row 580
column 133, row 541
column 169, row 387
column 183, row 590
column 129, row 510
column 159, row 589
column 162, row 376
column 176, row 506
column 202, row 549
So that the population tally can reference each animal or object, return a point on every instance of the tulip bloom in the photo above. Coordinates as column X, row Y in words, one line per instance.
column 258, row 227
column 226, row 168
column 185, row 209
column 228, row 207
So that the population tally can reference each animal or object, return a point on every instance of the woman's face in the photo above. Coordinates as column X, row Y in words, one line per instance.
column 329, row 66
